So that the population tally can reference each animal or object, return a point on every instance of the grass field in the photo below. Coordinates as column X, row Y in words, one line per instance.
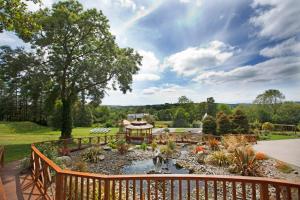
column 163, row 124
column 17, row 137
column 280, row 136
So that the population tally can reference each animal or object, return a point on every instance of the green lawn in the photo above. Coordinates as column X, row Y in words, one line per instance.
column 281, row 136
column 180, row 130
column 163, row 124
column 17, row 137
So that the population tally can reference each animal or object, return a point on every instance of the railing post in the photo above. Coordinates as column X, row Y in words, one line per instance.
column 106, row 189
column 79, row 143
column 264, row 192
column 2, row 151
column 59, row 186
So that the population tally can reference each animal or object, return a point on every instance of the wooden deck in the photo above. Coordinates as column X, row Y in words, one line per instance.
column 18, row 186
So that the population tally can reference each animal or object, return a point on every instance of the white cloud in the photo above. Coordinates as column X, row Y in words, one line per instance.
column 146, row 77
column 281, row 20
column 197, row 2
column 194, row 60
column 162, row 90
column 274, row 70
column 287, row 47
column 150, row 69
column 127, row 4
column 150, row 90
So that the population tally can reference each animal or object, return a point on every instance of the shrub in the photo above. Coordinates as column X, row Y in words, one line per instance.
column 166, row 151
column 122, row 146
column 171, row 144
column 218, row 158
column 213, row 144
column 198, row 149
column 80, row 166
column 112, row 144
column 91, row 154
column 143, row 146
column 231, row 142
column 64, row 151
column 223, row 124
column 209, row 125
column 244, row 162
column 267, row 126
column 153, row 145
column 283, row 167
column 261, row 156
column 239, row 122
column 166, row 130
column 181, row 118
column 48, row 149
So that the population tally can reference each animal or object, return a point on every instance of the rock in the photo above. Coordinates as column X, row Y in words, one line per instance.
column 131, row 149
column 101, row 157
column 149, row 148
column 200, row 157
column 296, row 172
column 65, row 160
column 107, row 148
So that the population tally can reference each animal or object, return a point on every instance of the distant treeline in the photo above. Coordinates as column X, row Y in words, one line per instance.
column 185, row 113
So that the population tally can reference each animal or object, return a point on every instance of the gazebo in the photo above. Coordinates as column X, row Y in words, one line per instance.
column 138, row 131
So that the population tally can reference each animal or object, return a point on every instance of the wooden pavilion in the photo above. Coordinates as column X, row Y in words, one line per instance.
column 138, row 132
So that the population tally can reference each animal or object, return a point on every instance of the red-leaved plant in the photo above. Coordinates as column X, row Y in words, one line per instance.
column 199, row 149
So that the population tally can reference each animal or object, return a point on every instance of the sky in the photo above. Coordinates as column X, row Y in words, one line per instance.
column 231, row 50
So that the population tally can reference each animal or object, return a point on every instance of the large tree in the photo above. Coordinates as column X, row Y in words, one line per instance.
column 14, row 16
column 211, row 107
column 82, row 56
column 272, row 98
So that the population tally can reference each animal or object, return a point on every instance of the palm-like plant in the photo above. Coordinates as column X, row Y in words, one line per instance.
column 245, row 163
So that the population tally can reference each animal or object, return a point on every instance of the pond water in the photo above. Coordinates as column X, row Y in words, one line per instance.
column 145, row 166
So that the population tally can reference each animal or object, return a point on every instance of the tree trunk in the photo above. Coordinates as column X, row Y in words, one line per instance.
column 66, row 129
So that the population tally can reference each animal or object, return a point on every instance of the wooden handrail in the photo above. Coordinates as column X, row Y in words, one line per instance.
column 71, row 183
column 2, row 192
column 1, row 156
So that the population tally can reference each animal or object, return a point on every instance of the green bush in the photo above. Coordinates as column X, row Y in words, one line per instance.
column 244, row 162
column 209, row 125
column 239, row 122
column 143, row 146
column 122, row 146
column 223, row 124
column 171, row 145
column 153, row 145
column 91, row 154
column 112, row 144
column 267, row 126
column 218, row 158
column 49, row 150
column 181, row 118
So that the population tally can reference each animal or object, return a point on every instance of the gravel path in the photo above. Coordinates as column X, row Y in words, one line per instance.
column 284, row 150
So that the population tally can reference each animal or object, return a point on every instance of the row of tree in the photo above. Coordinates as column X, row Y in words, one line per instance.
column 236, row 123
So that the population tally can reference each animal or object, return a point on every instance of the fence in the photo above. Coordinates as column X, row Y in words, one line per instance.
column 2, row 193
column 57, row 183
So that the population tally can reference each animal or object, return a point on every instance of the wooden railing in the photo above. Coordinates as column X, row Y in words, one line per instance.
column 1, row 156
column 2, row 192
column 60, row 184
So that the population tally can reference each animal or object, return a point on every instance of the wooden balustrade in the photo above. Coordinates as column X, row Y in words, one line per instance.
column 1, row 156
column 66, row 184
column 2, row 192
